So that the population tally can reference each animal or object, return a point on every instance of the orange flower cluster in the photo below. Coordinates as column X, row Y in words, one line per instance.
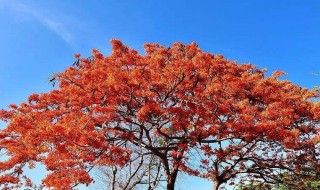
column 173, row 102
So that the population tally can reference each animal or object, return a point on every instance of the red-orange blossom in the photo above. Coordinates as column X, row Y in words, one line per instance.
column 197, row 112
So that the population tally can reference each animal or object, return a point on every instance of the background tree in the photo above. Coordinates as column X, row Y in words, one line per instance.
column 143, row 171
column 298, row 185
column 179, row 104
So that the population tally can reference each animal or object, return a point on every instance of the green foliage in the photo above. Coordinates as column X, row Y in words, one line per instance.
column 258, row 185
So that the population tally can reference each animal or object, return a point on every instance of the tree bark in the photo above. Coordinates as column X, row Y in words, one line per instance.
column 171, row 180
column 170, row 186
column 170, row 175
column 216, row 185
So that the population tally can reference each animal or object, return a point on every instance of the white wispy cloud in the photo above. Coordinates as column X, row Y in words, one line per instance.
column 58, row 26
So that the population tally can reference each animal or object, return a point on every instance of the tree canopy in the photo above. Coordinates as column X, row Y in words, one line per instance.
column 196, row 112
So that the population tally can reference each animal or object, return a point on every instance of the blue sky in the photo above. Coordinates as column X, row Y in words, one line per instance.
column 39, row 38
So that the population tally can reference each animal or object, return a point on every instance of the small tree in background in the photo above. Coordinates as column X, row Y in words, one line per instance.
column 192, row 111
column 143, row 171
column 298, row 184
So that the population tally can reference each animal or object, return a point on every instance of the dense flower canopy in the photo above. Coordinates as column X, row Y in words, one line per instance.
column 198, row 112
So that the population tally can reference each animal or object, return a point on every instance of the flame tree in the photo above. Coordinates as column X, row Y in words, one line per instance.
column 194, row 111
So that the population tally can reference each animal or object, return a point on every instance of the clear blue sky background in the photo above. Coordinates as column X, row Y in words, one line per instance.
column 39, row 38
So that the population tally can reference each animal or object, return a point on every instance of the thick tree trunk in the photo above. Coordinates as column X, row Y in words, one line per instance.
column 171, row 180
column 170, row 186
column 171, row 174
column 216, row 185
